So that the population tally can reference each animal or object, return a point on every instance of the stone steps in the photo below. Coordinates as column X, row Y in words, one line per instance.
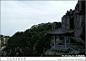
column 78, row 40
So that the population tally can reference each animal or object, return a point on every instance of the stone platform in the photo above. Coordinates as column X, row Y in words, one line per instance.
column 60, row 48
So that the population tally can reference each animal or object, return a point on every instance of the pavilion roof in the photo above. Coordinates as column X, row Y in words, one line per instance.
column 60, row 31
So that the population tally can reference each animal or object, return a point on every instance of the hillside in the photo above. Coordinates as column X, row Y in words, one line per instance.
column 32, row 42
column 35, row 41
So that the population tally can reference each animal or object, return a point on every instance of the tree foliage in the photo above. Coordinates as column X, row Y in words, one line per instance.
column 26, row 40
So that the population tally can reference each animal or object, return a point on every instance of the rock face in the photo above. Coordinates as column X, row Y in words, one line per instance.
column 66, row 22
column 75, row 19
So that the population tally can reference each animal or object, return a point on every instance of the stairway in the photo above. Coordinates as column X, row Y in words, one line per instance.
column 78, row 40
column 73, row 49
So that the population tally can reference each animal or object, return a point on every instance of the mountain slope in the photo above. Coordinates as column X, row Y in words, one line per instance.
column 32, row 42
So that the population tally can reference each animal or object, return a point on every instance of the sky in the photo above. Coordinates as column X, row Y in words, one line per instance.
column 21, row 15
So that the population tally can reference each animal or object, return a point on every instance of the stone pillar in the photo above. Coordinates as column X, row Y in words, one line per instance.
column 59, row 39
column 65, row 41
column 54, row 41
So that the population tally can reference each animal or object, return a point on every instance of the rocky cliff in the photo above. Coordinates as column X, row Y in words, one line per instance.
column 75, row 19
column 3, row 39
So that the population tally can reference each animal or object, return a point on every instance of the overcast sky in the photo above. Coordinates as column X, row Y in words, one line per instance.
column 21, row 15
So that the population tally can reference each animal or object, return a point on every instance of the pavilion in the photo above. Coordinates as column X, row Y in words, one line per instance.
column 60, row 32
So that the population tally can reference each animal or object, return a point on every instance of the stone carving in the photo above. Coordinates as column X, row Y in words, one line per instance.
column 54, row 26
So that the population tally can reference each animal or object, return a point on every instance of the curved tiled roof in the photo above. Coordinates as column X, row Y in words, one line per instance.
column 60, row 31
